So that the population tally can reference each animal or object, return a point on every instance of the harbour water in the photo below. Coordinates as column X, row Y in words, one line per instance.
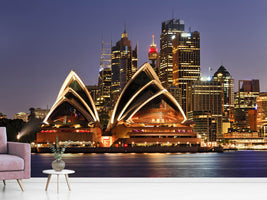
column 227, row 164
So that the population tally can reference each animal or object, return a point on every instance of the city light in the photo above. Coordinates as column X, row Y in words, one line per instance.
column 186, row 34
column 155, row 121
column 209, row 78
column 152, row 50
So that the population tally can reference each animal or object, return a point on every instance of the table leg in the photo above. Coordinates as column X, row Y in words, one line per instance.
column 57, row 183
column 67, row 180
column 48, row 180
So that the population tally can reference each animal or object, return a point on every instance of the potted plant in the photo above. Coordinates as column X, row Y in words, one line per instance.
column 58, row 151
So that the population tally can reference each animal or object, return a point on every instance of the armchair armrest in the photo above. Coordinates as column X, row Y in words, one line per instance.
column 19, row 149
column 22, row 150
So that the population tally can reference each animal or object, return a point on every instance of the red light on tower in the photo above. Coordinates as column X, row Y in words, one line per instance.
column 153, row 52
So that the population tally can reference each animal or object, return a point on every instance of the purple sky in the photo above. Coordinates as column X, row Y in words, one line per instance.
column 41, row 41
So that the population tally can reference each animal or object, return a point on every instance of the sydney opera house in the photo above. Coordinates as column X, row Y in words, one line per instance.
column 72, row 117
column 145, row 114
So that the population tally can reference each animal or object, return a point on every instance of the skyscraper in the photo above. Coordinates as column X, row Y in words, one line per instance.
column 123, row 65
column 104, row 78
column 94, row 91
column 262, row 114
column 169, row 29
column 207, row 107
column 223, row 76
column 245, row 99
column 252, row 119
column 186, row 62
column 104, row 83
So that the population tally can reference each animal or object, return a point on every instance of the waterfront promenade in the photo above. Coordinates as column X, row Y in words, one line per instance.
column 136, row 149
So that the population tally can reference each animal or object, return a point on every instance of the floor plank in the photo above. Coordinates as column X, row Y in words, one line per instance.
column 135, row 188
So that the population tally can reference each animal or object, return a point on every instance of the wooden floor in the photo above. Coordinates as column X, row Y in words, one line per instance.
column 136, row 188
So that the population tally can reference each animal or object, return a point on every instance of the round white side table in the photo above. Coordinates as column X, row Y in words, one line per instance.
column 51, row 172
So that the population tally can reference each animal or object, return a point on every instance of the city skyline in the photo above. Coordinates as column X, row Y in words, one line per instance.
column 40, row 42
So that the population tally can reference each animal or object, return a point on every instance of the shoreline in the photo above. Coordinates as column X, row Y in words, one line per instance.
column 174, row 149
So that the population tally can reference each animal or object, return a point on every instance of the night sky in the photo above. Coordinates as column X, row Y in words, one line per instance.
column 42, row 40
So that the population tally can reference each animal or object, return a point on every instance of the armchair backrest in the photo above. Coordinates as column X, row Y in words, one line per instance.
column 3, row 140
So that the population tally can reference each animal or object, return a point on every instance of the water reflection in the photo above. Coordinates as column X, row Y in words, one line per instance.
column 228, row 164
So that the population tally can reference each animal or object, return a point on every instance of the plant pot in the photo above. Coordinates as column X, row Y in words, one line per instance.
column 58, row 165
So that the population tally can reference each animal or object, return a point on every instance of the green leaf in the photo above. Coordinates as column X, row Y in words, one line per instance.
column 58, row 152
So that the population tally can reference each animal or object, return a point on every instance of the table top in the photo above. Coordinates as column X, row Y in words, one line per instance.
column 64, row 171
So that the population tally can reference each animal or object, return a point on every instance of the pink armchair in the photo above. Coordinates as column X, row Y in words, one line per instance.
column 15, row 159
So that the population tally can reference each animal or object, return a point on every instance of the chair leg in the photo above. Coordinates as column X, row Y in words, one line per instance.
column 4, row 181
column 20, row 184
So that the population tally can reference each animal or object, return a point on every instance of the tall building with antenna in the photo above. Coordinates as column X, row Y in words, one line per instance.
column 123, row 65
column 104, row 78
column 153, row 55
column 169, row 29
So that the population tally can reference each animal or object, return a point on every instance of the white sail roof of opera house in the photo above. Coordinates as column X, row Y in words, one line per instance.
column 74, row 103
column 145, row 100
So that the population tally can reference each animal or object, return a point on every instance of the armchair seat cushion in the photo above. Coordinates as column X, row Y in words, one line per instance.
column 11, row 163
